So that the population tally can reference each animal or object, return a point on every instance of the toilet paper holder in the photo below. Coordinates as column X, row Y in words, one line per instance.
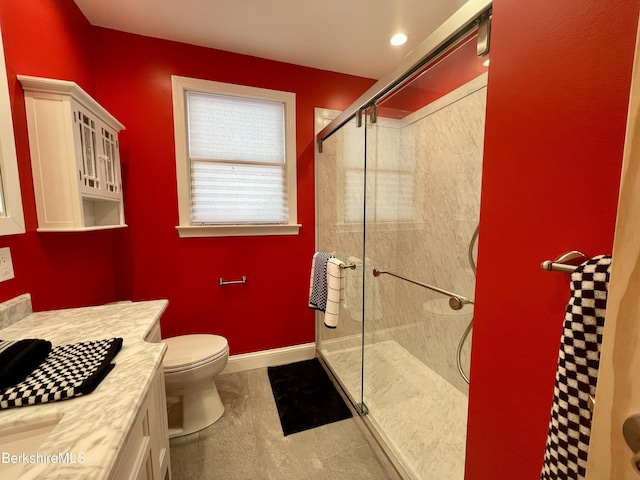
column 631, row 433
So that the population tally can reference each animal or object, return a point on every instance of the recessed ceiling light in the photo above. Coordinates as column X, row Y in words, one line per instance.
column 398, row 39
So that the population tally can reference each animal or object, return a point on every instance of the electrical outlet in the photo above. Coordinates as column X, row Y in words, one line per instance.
column 6, row 266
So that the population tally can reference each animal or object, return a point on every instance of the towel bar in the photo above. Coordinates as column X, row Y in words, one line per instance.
column 233, row 282
column 351, row 266
column 562, row 263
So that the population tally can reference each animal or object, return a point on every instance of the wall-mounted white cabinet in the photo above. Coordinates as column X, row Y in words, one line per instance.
column 74, row 157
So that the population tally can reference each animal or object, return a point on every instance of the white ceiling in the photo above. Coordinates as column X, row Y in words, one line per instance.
column 348, row 36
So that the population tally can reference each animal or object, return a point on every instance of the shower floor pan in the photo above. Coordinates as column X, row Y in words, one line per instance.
column 421, row 417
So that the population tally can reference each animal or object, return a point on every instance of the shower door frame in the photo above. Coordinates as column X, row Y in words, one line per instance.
column 394, row 464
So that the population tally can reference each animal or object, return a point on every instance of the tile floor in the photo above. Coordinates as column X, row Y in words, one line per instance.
column 247, row 442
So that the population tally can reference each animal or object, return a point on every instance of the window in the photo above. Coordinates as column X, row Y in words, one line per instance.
column 11, row 215
column 235, row 159
column 390, row 174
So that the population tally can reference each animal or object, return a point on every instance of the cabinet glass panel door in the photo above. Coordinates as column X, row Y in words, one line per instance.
column 110, row 160
column 89, row 174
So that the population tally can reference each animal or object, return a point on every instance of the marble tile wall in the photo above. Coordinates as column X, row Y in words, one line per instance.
column 447, row 147
column 15, row 310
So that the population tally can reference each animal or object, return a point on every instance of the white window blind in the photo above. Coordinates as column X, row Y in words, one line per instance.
column 394, row 196
column 237, row 160
column 390, row 196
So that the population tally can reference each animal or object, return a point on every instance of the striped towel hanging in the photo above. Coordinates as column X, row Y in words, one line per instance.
column 567, row 445
column 335, row 292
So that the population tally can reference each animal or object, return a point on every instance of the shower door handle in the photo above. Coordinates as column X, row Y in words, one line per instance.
column 631, row 432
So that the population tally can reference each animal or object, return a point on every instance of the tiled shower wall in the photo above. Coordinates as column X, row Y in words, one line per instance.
column 423, row 176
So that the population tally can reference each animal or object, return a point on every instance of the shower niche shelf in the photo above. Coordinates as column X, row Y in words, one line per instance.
column 75, row 157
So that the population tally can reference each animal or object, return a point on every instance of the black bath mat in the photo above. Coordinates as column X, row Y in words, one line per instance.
column 305, row 396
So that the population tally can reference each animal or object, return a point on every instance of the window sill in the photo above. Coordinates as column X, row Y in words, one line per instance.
column 236, row 230
column 379, row 226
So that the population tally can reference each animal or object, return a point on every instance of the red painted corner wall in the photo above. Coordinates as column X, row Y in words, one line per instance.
column 557, row 100
column 134, row 83
column 51, row 38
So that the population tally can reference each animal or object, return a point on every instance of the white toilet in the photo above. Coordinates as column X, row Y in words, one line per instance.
column 190, row 365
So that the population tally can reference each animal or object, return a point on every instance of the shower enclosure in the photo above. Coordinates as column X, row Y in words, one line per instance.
column 398, row 190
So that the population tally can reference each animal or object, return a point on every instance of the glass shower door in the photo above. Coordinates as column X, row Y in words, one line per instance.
column 424, row 158
column 340, row 199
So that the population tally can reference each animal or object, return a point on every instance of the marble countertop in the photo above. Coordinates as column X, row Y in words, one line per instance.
column 94, row 426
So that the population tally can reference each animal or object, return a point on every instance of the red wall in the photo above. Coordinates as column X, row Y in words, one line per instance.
column 134, row 83
column 437, row 79
column 556, row 113
column 52, row 38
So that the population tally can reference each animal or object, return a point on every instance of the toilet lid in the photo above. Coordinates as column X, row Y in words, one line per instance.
column 189, row 350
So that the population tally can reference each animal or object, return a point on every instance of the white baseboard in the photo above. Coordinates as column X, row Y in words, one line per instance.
column 270, row 358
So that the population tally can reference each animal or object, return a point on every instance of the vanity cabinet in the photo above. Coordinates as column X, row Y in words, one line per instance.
column 146, row 451
column 74, row 156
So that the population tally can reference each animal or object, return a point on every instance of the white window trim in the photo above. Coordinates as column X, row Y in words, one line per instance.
column 13, row 221
column 180, row 85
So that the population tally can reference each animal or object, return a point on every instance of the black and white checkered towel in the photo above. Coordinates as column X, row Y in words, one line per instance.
column 68, row 371
column 565, row 457
column 318, row 281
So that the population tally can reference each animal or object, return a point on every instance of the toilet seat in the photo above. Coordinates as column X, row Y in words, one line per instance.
column 187, row 352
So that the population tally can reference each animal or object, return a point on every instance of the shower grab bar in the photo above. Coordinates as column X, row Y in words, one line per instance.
column 351, row 266
column 561, row 264
column 456, row 302
column 233, row 282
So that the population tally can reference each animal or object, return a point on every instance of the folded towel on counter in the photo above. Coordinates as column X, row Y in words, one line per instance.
column 68, row 371
column 318, row 281
column 335, row 292
column 18, row 358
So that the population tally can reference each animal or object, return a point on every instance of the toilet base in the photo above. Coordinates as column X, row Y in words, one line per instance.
column 193, row 411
